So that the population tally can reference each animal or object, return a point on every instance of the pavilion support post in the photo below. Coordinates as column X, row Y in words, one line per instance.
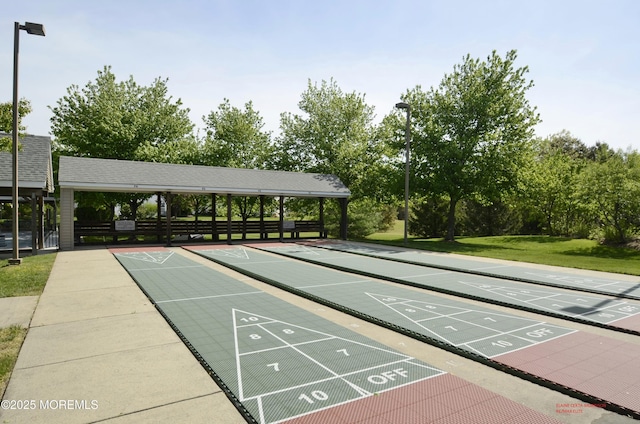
column 159, row 217
column 281, row 226
column 41, row 221
column 214, row 213
column 322, row 234
column 67, row 236
column 263, row 234
column 34, row 224
column 343, row 219
column 55, row 222
column 228, row 218
column 168, row 202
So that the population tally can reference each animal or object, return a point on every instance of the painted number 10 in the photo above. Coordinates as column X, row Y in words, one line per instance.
column 315, row 395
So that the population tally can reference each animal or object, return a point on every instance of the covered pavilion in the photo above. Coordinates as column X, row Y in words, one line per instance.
column 163, row 179
column 35, row 186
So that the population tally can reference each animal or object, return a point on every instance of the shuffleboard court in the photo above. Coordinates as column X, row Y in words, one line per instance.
column 281, row 363
column 473, row 329
column 621, row 314
column 520, row 272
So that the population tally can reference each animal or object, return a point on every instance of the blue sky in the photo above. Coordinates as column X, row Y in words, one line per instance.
column 583, row 56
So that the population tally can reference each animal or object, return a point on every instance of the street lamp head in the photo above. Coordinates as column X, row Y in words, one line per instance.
column 403, row 105
column 32, row 28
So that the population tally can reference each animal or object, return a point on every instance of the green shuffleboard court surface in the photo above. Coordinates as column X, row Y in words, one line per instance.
column 278, row 360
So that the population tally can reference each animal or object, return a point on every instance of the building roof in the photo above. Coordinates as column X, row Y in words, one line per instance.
column 110, row 175
column 35, row 170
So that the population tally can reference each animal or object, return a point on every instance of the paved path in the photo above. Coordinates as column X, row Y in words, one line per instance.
column 17, row 310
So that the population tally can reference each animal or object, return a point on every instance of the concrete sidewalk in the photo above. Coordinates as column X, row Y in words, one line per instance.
column 17, row 310
column 98, row 351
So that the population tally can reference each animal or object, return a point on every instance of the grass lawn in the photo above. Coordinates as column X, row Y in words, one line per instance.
column 27, row 279
column 560, row 251
column 11, row 339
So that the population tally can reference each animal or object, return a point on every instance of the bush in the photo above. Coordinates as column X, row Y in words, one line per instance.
column 494, row 219
column 428, row 217
column 88, row 213
column 365, row 217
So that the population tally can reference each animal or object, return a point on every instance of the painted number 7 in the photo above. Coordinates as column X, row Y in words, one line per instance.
column 275, row 365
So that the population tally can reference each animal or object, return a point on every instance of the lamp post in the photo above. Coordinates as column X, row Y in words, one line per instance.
column 35, row 29
column 407, row 136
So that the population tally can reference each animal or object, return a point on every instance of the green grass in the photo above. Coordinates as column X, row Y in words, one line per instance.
column 27, row 279
column 11, row 339
column 559, row 251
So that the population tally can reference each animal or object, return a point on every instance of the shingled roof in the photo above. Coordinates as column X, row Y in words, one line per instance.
column 110, row 175
column 35, row 172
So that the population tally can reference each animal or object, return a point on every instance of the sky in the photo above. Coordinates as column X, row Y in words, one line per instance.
column 583, row 56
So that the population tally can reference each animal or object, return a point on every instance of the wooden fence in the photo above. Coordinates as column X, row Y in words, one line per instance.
column 116, row 231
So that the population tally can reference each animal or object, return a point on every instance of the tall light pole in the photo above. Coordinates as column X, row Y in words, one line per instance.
column 407, row 136
column 35, row 29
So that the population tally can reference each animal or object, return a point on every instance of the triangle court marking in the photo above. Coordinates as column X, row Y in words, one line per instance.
column 155, row 257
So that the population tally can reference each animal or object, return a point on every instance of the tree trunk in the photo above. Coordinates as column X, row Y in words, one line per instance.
column 451, row 220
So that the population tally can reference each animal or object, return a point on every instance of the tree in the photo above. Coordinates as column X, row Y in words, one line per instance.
column 6, row 121
column 612, row 190
column 118, row 120
column 235, row 138
column 552, row 179
column 334, row 134
column 472, row 134
column 109, row 119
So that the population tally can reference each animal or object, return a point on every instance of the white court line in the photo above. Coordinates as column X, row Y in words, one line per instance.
column 169, row 267
column 271, row 321
column 342, row 376
column 286, row 346
column 403, row 301
column 404, row 277
column 536, row 342
column 438, row 317
column 237, row 349
column 508, row 333
column 625, row 285
column 489, row 267
column 620, row 304
column 416, row 323
column 358, row 389
column 333, row 284
column 466, row 322
column 270, row 262
column 186, row 299
column 333, row 405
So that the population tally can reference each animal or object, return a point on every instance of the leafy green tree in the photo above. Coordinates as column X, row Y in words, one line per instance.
column 472, row 135
column 236, row 138
column 118, row 120
column 612, row 190
column 6, row 121
column 551, row 184
column 333, row 135
column 110, row 119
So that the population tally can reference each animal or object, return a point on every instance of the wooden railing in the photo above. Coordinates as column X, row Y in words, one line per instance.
column 109, row 229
